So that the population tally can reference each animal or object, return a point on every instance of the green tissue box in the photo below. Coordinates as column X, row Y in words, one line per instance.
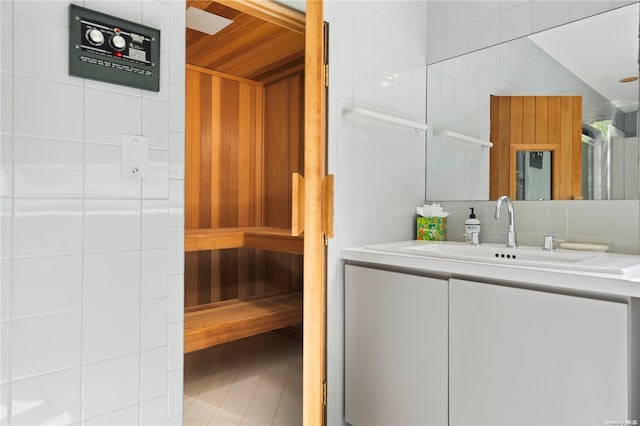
column 431, row 228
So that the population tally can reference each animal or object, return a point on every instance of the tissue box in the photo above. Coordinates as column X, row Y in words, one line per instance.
column 431, row 228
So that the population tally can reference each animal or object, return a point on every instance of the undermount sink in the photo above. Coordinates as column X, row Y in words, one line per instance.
column 500, row 253
column 626, row 266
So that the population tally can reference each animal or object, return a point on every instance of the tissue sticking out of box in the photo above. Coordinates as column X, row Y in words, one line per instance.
column 433, row 210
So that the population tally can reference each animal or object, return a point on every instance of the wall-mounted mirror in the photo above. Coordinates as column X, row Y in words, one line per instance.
column 584, row 60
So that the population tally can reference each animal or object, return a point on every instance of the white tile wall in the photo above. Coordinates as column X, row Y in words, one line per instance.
column 127, row 416
column 455, row 23
column 547, row 15
column 45, row 285
column 514, row 21
column 47, row 398
column 56, row 335
column 89, row 285
column 47, row 168
column 377, row 57
column 154, row 279
column 104, row 108
column 111, row 278
column 5, row 294
column 110, row 385
column 27, row 60
column 155, row 223
column 6, row 153
column 102, row 174
column 154, row 328
column 156, row 185
column 111, row 225
column 47, row 226
column 110, row 331
column 34, row 114
column 153, row 377
column 5, row 357
column 4, row 403
column 153, row 411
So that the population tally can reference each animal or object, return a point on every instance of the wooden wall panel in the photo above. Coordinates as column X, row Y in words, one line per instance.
column 552, row 120
column 529, row 120
column 501, row 138
column 224, row 151
column 516, row 119
column 283, row 146
column 236, row 167
column 541, row 120
column 494, row 159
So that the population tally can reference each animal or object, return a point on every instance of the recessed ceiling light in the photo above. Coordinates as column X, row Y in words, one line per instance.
column 203, row 21
column 628, row 79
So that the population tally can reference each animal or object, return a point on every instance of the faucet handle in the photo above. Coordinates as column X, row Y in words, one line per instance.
column 548, row 242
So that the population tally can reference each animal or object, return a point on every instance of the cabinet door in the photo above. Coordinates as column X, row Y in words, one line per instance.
column 522, row 357
column 395, row 349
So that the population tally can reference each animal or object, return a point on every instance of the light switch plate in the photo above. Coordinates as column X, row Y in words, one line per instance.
column 134, row 156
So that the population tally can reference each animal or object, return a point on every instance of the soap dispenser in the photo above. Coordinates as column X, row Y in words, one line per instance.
column 471, row 225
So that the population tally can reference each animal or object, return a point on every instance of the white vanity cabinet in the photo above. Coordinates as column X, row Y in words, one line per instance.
column 525, row 357
column 395, row 348
column 466, row 352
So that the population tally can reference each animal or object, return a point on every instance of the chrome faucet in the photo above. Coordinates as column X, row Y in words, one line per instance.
column 511, row 233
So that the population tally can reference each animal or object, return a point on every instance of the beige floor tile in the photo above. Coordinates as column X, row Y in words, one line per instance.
column 250, row 382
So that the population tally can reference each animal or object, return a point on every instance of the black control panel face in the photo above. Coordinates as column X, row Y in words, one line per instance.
column 106, row 48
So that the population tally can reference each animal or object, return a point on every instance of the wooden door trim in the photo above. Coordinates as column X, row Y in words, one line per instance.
column 314, row 293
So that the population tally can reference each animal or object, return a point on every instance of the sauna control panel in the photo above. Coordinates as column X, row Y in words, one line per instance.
column 110, row 49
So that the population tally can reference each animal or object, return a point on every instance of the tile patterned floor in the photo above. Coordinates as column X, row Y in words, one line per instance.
column 255, row 381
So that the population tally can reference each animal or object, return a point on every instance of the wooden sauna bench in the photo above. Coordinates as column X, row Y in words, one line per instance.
column 228, row 320
column 272, row 239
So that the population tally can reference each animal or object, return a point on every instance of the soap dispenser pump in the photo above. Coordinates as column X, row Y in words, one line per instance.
column 471, row 225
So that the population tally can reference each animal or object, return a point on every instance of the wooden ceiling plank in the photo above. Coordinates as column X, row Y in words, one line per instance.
column 224, row 11
column 194, row 37
column 271, row 12
column 200, row 4
column 252, row 46
column 275, row 75
column 244, row 24
column 271, row 51
column 259, row 71
column 271, row 46
column 222, row 46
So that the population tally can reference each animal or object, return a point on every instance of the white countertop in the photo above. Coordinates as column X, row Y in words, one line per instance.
column 387, row 256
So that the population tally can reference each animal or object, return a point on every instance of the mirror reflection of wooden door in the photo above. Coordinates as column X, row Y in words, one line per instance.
column 532, row 120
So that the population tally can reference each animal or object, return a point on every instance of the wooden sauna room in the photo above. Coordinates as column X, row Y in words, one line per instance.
column 244, row 141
